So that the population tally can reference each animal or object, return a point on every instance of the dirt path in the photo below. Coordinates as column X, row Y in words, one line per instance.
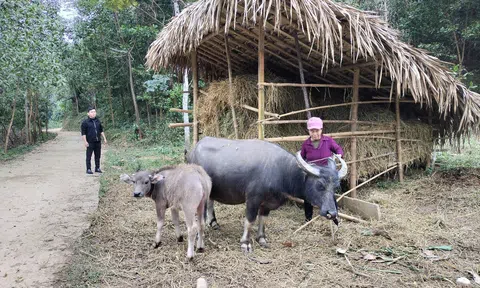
column 45, row 200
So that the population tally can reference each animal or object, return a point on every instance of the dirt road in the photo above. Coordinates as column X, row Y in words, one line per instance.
column 45, row 201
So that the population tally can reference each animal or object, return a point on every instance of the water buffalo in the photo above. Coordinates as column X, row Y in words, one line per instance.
column 258, row 173
column 186, row 187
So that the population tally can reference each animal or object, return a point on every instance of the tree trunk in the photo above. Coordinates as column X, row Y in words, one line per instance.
column 46, row 120
column 132, row 90
column 76, row 103
column 94, row 100
column 14, row 105
column 148, row 116
column 30, row 115
column 108, row 84
column 38, row 119
column 176, row 8
column 27, row 128
column 33, row 116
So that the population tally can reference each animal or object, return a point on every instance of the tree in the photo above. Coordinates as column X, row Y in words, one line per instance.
column 30, row 63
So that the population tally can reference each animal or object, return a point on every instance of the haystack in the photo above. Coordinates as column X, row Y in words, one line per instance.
column 215, row 119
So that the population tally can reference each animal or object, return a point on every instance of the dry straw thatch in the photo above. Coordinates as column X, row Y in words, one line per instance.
column 332, row 36
column 216, row 120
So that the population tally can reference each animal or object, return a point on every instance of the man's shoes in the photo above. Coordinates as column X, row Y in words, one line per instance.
column 98, row 170
column 308, row 220
column 89, row 171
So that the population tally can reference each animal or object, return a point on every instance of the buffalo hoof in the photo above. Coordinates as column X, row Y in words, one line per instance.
column 246, row 248
column 180, row 239
column 156, row 245
column 189, row 258
column 214, row 225
column 200, row 250
column 262, row 242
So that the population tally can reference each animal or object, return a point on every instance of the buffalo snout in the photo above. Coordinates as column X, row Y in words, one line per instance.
column 137, row 194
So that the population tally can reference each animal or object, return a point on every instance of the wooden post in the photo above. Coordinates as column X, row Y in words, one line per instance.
column 261, row 79
column 230, row 87
column 302, row 78
column 353, row 145
column 195, row 96
column 397, row 134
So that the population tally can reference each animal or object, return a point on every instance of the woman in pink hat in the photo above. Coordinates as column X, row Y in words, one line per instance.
column 316, row 149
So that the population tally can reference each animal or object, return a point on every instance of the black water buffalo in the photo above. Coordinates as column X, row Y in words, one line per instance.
column 259, row 174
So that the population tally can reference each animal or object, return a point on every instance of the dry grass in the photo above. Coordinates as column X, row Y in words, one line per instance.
column 442, row 209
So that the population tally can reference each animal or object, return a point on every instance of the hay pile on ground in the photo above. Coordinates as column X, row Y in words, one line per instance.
column 215, row 119
column 116, row 251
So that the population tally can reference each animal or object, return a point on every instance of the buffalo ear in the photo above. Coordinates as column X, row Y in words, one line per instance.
column 126, row 178
column 156, row 178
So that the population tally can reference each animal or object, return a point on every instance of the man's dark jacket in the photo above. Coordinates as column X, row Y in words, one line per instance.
column 92, row 128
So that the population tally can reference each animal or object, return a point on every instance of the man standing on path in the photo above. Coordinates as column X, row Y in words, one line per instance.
column 91, row 131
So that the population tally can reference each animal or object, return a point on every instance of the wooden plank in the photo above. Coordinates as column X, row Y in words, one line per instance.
column 180, row 110
column 261, row 79
column 366, row 210
column 353, row 141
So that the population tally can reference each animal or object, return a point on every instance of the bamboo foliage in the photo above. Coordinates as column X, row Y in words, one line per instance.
column 335, row 31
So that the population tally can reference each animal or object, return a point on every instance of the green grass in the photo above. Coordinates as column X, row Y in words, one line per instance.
column 468, row 158
column 23, row 149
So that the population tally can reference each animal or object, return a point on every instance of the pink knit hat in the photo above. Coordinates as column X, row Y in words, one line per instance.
column 314, row 123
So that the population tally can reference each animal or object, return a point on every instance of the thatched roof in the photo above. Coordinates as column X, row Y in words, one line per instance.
column 332, row 37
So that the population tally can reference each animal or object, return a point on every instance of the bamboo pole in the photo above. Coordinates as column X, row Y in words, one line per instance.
column 276, row 52
column 230, row 87
column 351, row 66
column 398, row 135
column 370, row 158
column 180, row 110
column 261, row 79
column 333, row 135
column 328, row 106
column 302, row 78
column 195, row 96
column 324, row 121
column 353, row 143
column 342, row 86
column 176, row 125
column 256, row 110
column 386, row 98
column 363, row 183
